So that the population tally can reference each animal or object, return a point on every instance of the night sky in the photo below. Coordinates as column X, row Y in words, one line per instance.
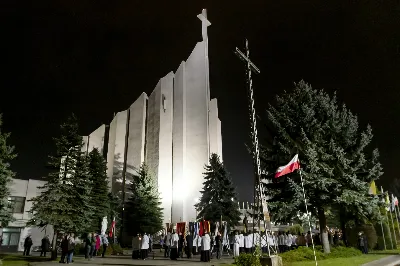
column 94, row 58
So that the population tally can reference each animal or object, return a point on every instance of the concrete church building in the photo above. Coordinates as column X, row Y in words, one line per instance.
column 174, row 130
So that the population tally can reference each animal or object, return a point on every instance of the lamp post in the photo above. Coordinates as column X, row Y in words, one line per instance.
column 196, row 200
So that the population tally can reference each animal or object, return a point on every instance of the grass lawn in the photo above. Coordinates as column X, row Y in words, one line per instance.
column 13, row 259
column 352, row 261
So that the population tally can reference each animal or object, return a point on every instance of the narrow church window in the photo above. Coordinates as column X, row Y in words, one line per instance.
column 164, row 103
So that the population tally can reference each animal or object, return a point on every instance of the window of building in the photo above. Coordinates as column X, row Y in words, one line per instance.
column 17, row 204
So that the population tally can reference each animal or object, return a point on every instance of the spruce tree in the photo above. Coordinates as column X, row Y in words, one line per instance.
column 218, row 197
column 99, row 194
column 6, row 155
column 64, row 200
column 144, row 213
column 336, row 167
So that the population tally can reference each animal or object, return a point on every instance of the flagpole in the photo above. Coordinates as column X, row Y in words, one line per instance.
column 383, row 234
column 390, row 233
column 308, row 216
column 391, row 218
column 395, row 212
column 398, row 221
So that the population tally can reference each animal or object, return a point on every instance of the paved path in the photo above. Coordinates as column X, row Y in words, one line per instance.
column 393, row 260
column 126, row 261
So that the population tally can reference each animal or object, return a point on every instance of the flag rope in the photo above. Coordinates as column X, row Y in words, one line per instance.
column 391, row 218
column 308, row 217
column 383, row 234
column 397, row 215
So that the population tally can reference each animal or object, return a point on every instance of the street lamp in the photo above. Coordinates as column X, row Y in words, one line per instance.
column 196, row 200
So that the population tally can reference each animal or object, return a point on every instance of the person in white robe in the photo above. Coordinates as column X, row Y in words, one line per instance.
column 248, row 243
column 144, row 249
column 241, row 243
column 205, row 248
column 288, row 241
column 281, row 242
column 236, row 245
column 174, row 244
column 294, row 241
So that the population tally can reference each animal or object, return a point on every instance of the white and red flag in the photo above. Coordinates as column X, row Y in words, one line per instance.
column 112, row 229
column 293, row 165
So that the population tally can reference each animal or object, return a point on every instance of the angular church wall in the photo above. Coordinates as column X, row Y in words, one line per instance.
column 136, row 139
column 85, row 143
column 197, row 146
column 96, row 139
column 116, row 151
column 219, row 139
column 159, row 140
column 179, row 182
column 213, row 127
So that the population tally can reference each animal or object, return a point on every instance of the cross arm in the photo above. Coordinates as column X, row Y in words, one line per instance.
column 245, row 59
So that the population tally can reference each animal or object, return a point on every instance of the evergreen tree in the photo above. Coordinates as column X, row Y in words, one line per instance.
column 218, row 197
column 6, row 175
column 99, row 193
column 64, row 201
column 336, row 167
column 144, row 213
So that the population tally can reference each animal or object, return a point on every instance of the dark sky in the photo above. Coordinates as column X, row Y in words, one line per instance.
column 94, row 58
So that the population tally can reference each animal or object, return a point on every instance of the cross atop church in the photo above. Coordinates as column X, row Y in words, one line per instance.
column 204, row 23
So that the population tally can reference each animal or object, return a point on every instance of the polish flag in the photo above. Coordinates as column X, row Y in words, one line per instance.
column 112, row 228
column 293, row 165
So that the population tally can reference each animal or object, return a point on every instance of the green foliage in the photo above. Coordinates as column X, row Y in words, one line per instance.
column 245, row 259
column 218, row 196
column 307, row 254
column 112, row 249
column 65, row 198
column 336, row 168
column 6, row 155
column 295, row 229
column 99, row 195
column 143, row 207
column 387, row 233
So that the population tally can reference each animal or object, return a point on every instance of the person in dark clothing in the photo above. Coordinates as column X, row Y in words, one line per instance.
column 218, row 245
column 88, row 246
column 189, row 245
column 336, row 238
column 27, row 246
column 363, row 243
column 180, row 245
column 64, row 249
column 45, row 246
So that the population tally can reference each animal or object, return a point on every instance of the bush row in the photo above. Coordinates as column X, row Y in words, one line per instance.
column 300, row 254
column 112, row 249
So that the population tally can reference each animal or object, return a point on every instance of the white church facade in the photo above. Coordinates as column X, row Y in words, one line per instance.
column 174, row 130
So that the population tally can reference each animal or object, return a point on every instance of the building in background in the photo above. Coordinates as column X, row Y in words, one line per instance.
column 174, row 130
column 15, row 233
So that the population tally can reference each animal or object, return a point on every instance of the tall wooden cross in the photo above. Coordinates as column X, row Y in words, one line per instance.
column 258, row 197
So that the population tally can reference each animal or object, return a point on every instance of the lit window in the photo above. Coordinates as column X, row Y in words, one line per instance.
column 17, row 204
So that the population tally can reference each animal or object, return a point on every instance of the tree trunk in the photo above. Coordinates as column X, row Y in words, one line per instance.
column 323, row 231
column 54, row 245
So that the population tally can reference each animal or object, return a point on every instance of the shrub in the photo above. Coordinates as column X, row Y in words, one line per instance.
column 247, row 260
column 295, row 229
column 302, row 254
column 307, row 254
column 369, row 231
column 343, row 252
column 79, row 249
